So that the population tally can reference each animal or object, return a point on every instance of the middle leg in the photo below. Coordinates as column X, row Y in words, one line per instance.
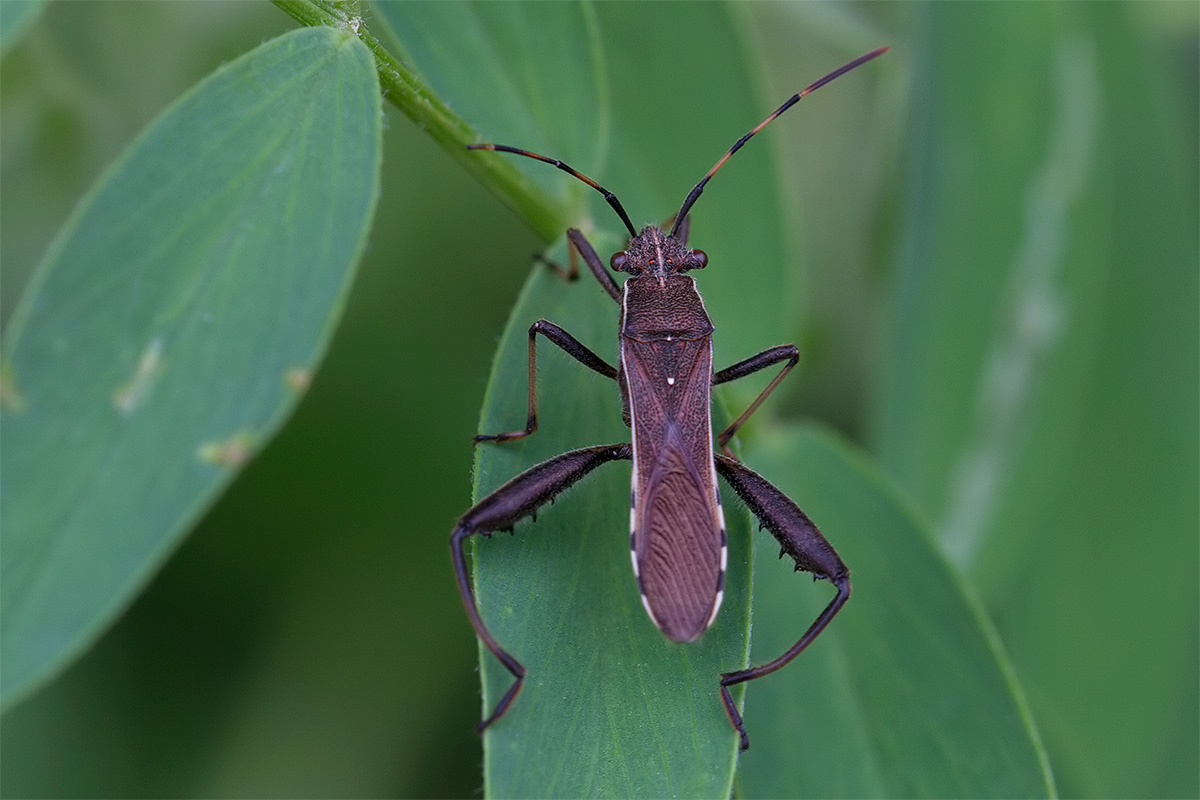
column 572, row 347
column 766, row 358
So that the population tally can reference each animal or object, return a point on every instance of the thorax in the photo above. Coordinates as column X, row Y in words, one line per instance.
column 666, row 309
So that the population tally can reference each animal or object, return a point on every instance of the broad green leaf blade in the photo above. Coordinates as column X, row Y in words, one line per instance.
column 172, row 326
column 610, row 707
column 996, row 299
column 906, row 694
column 1041, row 394
column 15, row 18
column 1117, row 521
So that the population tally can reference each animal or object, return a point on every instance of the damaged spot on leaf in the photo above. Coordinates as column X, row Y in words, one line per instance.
column 11, row 399
column 128, row 397
column 231, row 452
column 298, row 378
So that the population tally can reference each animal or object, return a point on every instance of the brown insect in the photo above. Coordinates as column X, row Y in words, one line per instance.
column 677, row 527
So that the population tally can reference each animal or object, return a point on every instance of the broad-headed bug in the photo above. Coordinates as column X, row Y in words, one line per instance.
column 666, row 377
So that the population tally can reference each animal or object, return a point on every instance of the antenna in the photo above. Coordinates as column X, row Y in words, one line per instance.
column 699, row 187
column 608, row 196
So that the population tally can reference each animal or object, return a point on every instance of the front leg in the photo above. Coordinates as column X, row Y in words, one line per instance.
column 503, row 508
column 584, row 248
column 594, row 263
column 800, row 539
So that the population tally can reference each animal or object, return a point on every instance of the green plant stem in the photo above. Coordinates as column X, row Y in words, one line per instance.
column 408, row 93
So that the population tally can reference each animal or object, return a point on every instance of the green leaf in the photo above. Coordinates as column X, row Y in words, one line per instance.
column 15, row 18
column 174, row 323
column 1041, row 393
column 907, row 693
column 995, row 298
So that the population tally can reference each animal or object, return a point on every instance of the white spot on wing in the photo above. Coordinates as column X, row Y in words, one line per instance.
column 716, row 606
column 654, row 619
column 633, row 533
column 670, row 381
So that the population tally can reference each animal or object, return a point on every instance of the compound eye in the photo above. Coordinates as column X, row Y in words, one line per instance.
column 699, row 259
column 618, row 260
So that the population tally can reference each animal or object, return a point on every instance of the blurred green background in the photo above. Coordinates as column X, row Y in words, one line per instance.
column 307, row 638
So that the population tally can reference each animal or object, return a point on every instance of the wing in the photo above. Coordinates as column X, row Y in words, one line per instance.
column 679, row 543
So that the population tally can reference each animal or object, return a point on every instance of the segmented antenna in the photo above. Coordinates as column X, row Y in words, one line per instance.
column 608, row 196
column 699, row 187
